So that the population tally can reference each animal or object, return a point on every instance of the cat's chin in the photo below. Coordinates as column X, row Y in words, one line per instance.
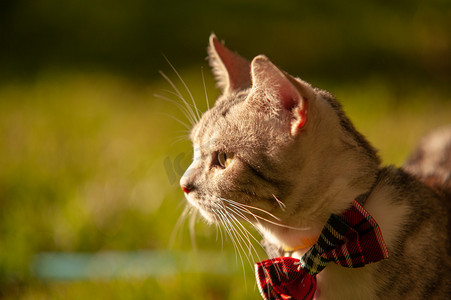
column 290, row 238
column 207, row 215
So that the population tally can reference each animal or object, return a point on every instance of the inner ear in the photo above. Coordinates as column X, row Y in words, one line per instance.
column 267, row 77
column 281, row 91
column 289, row 96
column 232, row 72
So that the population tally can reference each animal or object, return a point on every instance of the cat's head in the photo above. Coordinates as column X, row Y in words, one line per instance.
column 274, row 143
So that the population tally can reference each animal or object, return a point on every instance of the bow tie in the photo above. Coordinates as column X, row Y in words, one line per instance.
column 351, row 240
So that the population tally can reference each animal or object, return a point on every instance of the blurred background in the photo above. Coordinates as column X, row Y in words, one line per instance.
column 90, row 158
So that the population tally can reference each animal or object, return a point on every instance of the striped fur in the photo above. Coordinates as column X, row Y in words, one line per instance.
column 296, row 159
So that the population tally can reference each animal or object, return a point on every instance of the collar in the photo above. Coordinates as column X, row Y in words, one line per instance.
column 352, row 239
column 306, row 243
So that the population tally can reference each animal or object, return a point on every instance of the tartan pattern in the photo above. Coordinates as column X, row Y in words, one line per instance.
column 280, row 279
column 351, row 240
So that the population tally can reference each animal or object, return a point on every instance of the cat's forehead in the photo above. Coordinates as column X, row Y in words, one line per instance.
column 227, row 111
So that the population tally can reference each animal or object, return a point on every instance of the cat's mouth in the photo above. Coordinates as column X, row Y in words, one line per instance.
column 207, row 208
column 220, row 210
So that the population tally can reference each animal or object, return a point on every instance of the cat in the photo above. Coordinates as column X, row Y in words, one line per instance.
column 282, row 155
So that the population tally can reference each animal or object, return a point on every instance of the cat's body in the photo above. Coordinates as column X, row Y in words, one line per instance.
column 413, row 221
column 283, row 156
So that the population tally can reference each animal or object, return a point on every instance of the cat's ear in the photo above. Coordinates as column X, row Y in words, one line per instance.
column 232, row 72
column 281, row 91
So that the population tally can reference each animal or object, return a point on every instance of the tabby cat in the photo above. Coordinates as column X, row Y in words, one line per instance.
column 280, row 154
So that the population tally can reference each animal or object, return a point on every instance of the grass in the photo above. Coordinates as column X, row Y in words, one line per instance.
column 88, row 164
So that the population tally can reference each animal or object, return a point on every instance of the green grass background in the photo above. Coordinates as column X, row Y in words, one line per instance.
column 88, row 153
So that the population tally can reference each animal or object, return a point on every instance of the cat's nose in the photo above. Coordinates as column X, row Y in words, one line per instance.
column 186, row 185
column 186, row 188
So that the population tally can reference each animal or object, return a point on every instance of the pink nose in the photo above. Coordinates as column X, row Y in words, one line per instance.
column 186, row 189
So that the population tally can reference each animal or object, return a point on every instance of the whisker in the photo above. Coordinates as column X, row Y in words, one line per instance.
column 241, row 215
column 176, row 94
column 180, row 96
column 239, row 211
column 244, row 209
column 245, row 237
column 171, row 83
column 248, row 236
column 186, row 110
column 180, row 221
column 253, row 207
column 246, row 219
column 192, row 223
column 186, row 87
column 184, row 136
column 205, row 88
column 239, row 240
column 256, row 217
column 248, row 254
column 279, row 271
column 179, row 139
column 177, row 120
column 281, row 204
column 225, row 223
column 219, row 233
column 238, row 229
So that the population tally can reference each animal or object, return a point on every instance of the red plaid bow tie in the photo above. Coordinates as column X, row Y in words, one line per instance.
column 351, row 240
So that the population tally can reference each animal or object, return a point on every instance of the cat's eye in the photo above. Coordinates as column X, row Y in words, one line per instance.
column 225, row 159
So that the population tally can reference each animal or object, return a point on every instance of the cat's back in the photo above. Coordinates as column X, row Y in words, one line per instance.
column 415, row 226
column 421, row 247
column 431, row 161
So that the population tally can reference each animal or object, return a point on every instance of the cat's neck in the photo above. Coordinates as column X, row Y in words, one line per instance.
column 337, row 172
column 326, row 184
column 304, row 232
